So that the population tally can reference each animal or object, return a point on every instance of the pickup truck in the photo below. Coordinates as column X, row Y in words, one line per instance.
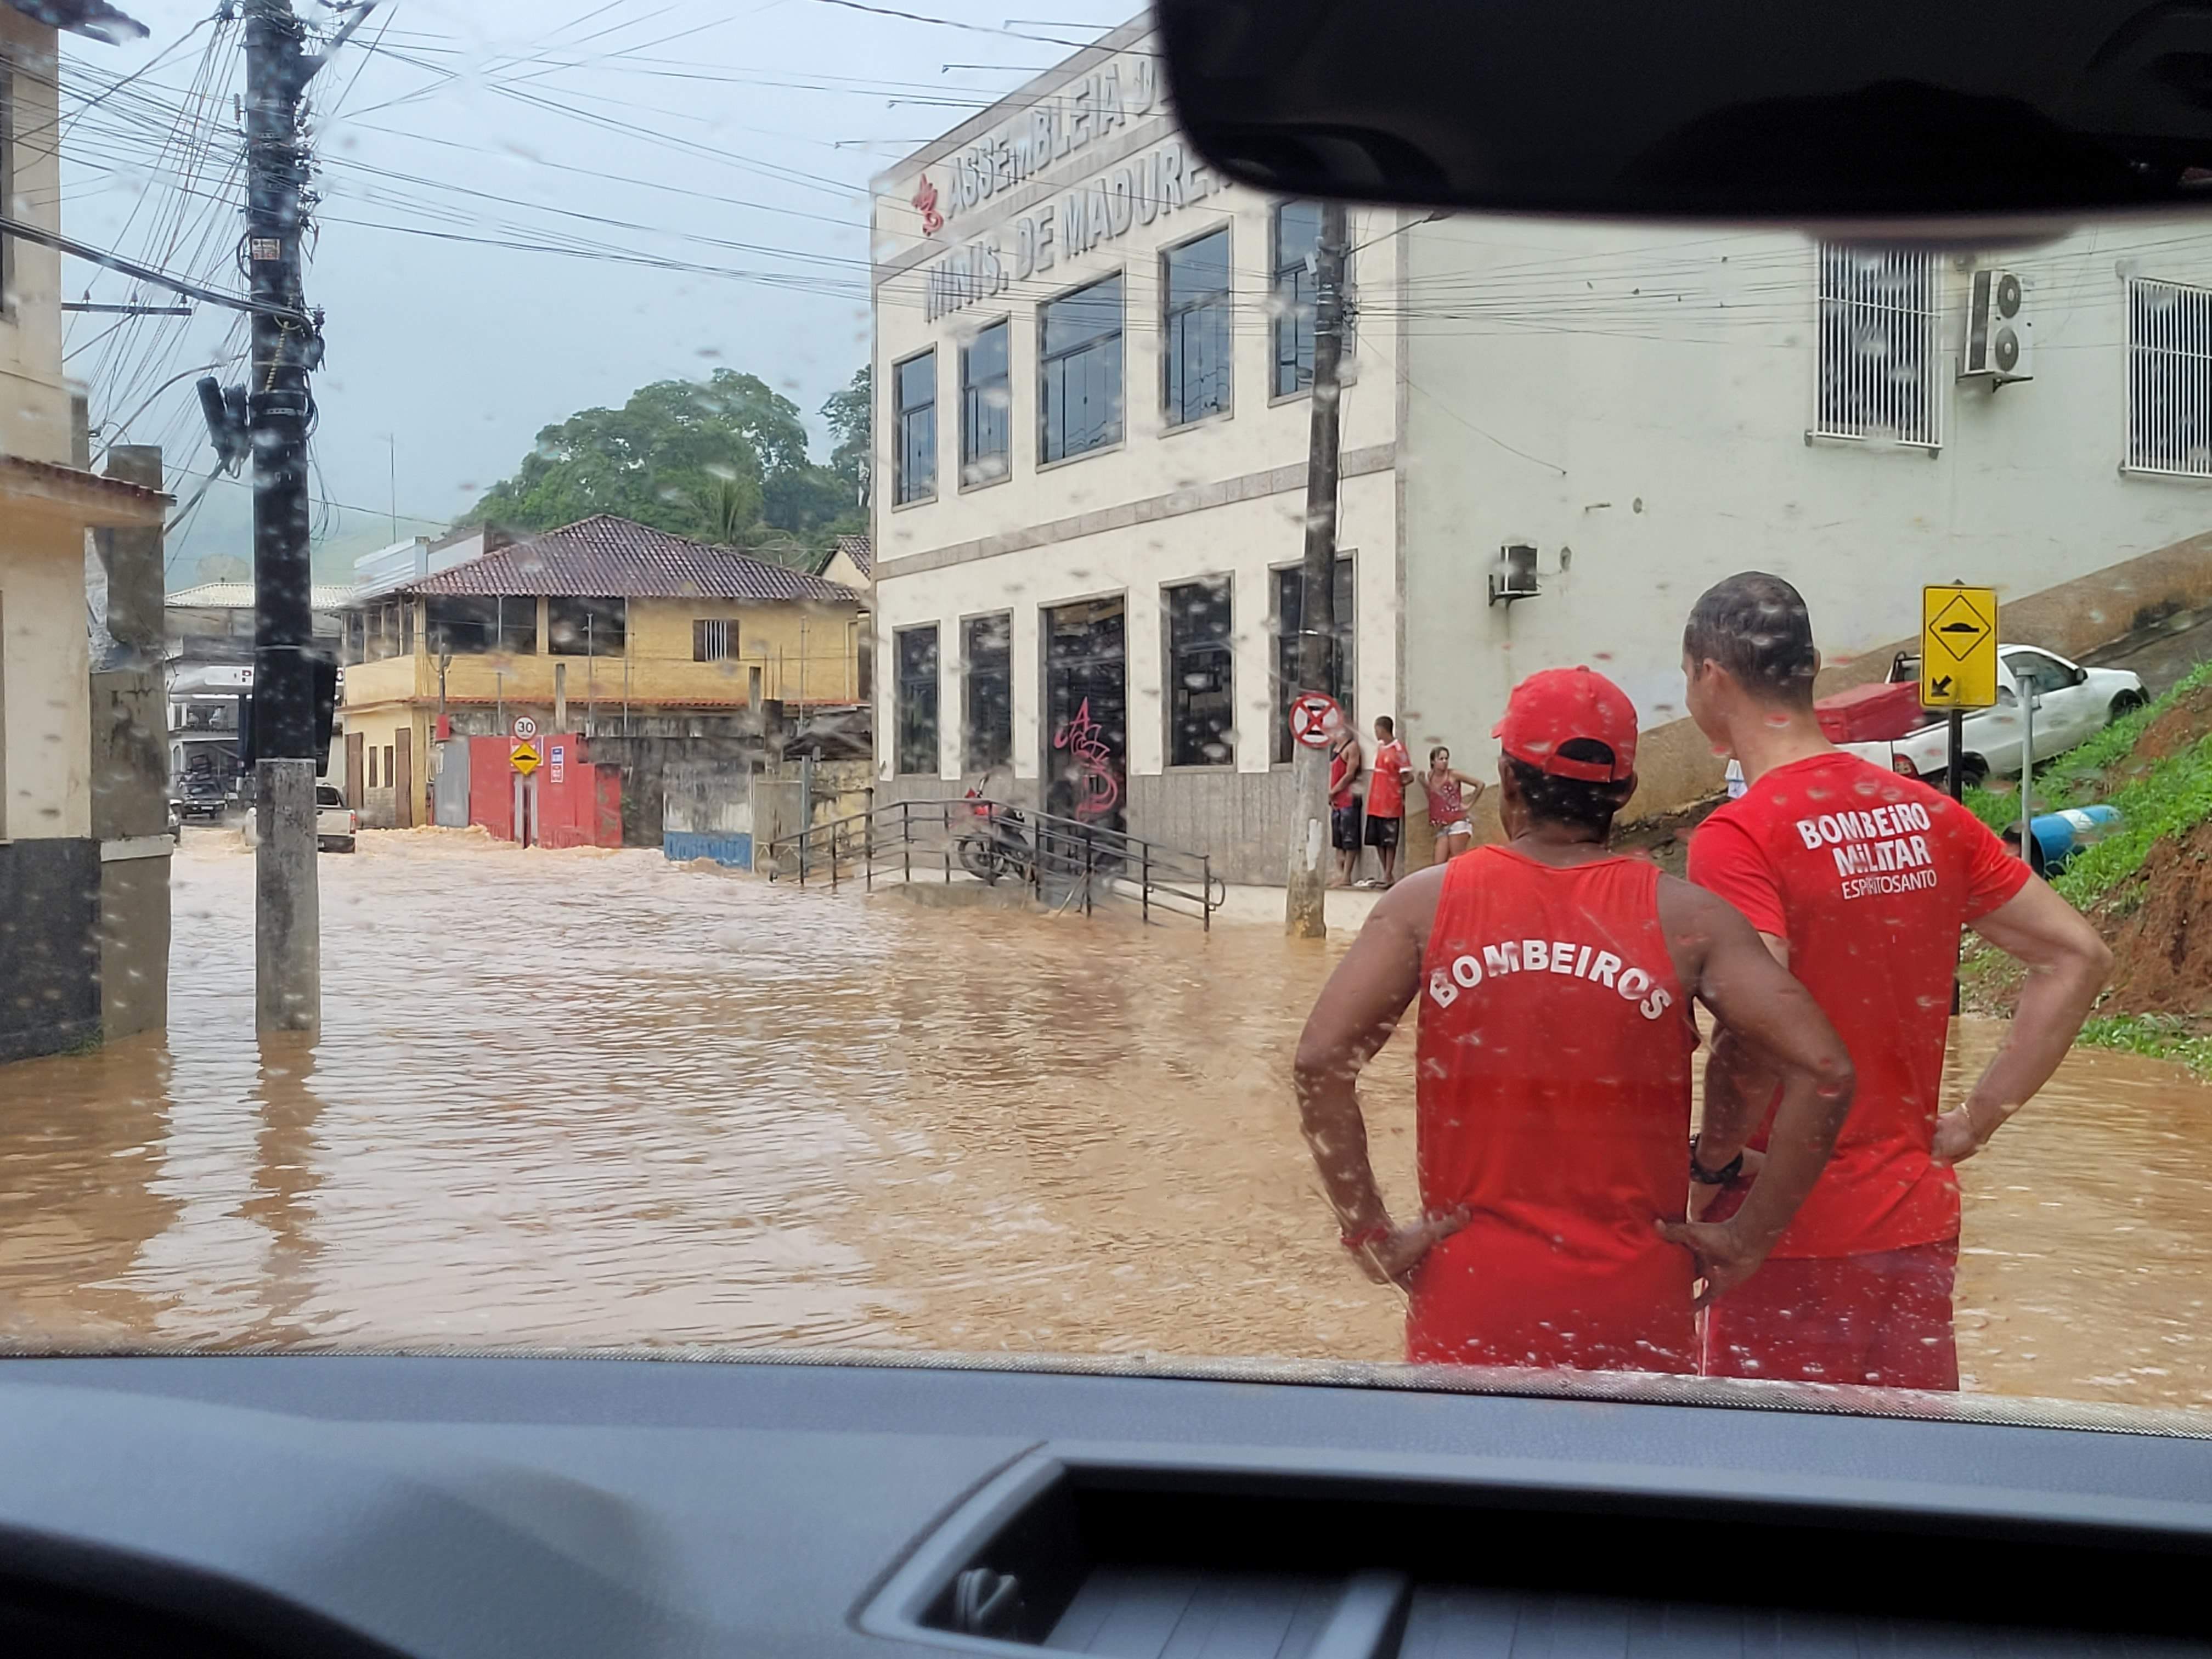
column 336, row 823
column 2072, row 703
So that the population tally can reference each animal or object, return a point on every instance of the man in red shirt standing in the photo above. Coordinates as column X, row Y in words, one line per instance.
column 1552, row 1071
column 1386, row 797
column 1344, row 769
column 1860, row 880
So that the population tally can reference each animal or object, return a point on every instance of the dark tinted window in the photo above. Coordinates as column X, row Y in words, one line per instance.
column 916, row 419
column 1201, row 701
column 1290, row 595
column 1198, row 344
column 988, row 646
column 1079, row 370
column 986, row 407
column 917, row 701
column 1298, row 235
column 585, row 628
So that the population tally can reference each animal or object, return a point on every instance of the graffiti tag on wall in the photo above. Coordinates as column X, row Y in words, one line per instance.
column 1085, row 740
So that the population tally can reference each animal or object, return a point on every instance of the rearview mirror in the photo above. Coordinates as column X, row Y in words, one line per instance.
column 1797, row 110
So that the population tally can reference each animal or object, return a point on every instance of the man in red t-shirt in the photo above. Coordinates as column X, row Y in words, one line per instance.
column 1554, row 979
column 1386, row 797
column 1860, row 880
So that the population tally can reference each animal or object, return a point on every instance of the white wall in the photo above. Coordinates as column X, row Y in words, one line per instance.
column 46, row 716
column 1243, row 539
column 45, row 691
column 34, row 402
column 1246, row 542
column 1636, row 402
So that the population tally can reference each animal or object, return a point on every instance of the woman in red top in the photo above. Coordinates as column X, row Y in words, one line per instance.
column 1448, row 807
column 1552, row 1071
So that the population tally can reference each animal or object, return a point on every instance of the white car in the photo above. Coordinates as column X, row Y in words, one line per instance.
column 2070, row 705
column 336, row 823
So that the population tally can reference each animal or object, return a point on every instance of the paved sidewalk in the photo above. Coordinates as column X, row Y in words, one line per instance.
column 1346, row 909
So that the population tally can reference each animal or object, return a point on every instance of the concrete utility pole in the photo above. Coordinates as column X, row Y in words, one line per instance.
column 1306, row 890
column 287, row 917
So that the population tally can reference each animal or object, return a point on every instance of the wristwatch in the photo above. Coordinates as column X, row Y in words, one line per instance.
column 1720, row 1178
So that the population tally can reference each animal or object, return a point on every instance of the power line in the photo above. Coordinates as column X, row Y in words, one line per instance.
column 76, row 250
column 956, row 23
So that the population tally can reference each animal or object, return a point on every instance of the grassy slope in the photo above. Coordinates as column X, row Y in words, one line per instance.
column 2170, row 797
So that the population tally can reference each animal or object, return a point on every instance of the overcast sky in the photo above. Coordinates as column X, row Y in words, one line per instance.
column 737, row 137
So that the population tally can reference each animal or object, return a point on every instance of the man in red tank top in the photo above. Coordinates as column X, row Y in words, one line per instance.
column 1859, row 881
column 1553, row 1070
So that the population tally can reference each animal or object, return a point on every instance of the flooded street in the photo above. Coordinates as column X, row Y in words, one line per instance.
column 587, row 1098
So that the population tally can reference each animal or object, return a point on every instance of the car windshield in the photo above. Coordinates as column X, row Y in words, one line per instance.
column 954, row 733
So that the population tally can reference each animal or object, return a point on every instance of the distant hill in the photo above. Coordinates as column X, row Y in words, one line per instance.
column 216, row 543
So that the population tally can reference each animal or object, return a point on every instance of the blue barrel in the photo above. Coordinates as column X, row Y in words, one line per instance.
column 2059, row 836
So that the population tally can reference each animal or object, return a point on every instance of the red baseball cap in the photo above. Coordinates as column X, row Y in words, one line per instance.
column 1550, row 709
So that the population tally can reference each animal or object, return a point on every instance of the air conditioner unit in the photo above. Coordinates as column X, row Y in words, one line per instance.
column 1516, row 576
column 2000, row 343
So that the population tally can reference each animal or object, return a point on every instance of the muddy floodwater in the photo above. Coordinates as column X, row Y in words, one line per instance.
column 587, row 1098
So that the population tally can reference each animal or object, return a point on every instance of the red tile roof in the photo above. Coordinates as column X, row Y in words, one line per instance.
column 607, row 557
column 856, row 548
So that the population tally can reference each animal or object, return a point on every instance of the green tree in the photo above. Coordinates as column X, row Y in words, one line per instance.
column 851, row 415
column 721, row 461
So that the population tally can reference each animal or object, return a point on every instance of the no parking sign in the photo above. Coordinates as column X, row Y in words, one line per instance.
column 1315, row 720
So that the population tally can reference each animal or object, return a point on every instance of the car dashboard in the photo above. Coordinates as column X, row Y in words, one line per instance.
column 878, row 1506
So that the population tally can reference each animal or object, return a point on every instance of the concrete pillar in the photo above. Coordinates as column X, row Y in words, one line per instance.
column 131, row 771
column 288, row 917
column 135, row 577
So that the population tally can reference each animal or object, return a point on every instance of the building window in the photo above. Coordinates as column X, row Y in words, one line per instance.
column 477, row 628
column 1297, row 244
column 1879, row 357
column 1201, row 703
column 1079, row 370
column 2169, row 342
column 372, row 766
column 586, row 627
column 714, row 639
column 915, row 421
column 1289, row 597
column 515, row 625
column 988, row 733
column 382, row 631
column 1198, row 341
column 917, row 701
column 985, row 408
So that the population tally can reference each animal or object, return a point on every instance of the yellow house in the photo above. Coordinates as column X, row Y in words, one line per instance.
column 54, row 884
column 606, row 627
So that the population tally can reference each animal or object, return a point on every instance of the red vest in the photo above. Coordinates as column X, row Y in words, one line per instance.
column 1553, row 1091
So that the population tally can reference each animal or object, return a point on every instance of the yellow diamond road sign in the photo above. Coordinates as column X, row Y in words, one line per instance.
column 525, row 758
column 1957, row 648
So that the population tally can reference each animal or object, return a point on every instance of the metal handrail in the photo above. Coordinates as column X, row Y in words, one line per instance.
column 1060, row 851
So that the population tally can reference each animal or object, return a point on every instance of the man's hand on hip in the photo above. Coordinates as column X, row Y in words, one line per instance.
column 1726, row 1254
column 1389, row 1258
